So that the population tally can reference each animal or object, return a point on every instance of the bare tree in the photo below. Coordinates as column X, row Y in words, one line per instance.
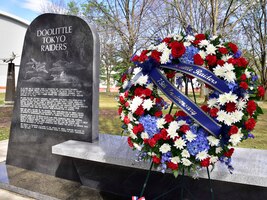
column 54, row 6
column 255, row 31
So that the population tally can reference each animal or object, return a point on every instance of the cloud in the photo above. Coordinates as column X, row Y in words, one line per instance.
column 36, row 5
column 43, row 6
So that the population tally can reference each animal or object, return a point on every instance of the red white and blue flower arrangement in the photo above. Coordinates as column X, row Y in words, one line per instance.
column 192, row 137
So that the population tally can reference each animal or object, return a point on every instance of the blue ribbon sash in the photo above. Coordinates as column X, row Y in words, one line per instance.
column 186, row 104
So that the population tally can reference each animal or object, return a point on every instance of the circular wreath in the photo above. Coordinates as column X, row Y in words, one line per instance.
column 175, row 140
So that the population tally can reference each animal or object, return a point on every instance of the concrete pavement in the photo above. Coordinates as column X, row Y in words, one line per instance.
column 6, row 195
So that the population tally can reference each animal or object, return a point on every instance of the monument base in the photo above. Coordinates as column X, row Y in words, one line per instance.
column 109, row 165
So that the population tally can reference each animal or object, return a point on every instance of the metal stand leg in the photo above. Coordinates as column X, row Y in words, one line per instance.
column 146, row 180
column 211, row 190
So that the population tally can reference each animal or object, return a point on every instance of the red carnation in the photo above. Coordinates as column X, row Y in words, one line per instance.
column 158, row 113
column 122, row 100
column 233, row 47
column 243, row 77
column 156, row 55
column 198, row 60
column 167, row 40
column 126, row 120
column 135, row 58
column 230, row 107
column 138, row 91
column 143, row 56
column 155, row 159
column 139, row 111
column 164, row 134
column 173, row 166
column 138, row 128
column 158, row 100
column 200, row 36
column 229, row 153
column 147, row 92
column 130, row 143
column 223, row 50
column 261, row 91
column 157, row 136
column 250, row 124
column 214, row 112
column 168, row 118
column 126, row 94
column 180, row 113
column 243, row 85
column 120, row 110
column 251, row 107
column 127, row 104
column 241, row 62
column 170, row 74
column 205, row 162
column 212, row 60
column 123, row 78
column 177, row 49
column 152, row 142
column 184, row 128
column 205, row 108
column 220, row 62
column 233, row 130
column 232, row 61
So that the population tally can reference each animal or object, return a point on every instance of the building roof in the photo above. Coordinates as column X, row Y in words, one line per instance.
column 14, row 18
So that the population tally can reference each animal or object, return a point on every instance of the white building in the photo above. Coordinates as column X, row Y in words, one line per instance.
column 12, row 33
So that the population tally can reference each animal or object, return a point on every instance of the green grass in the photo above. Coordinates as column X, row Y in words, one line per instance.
column 4, row 133
column 109, row 121
column 2, row 98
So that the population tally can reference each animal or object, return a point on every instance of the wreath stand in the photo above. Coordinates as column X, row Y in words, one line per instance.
column 183, row 185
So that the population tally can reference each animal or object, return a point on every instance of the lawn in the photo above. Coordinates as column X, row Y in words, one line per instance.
column 109, row 121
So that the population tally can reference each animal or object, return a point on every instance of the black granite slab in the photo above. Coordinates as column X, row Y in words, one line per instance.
column 57, row 93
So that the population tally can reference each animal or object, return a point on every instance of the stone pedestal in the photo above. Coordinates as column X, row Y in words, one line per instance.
column 10, row 85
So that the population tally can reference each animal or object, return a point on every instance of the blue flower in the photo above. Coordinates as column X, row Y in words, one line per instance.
column 166, row 157
column 237, row 54
column 254, row 78
column 150, row 124
column 199, row 144
column 188, row 56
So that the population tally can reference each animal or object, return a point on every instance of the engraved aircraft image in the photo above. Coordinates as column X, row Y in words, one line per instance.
column 37, row 66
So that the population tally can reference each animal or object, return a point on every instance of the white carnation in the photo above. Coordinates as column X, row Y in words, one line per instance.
column 144, row 135
column 139, row 148
column 228, row 67
column 177, row 37
column 202, row 155
column 190, row 136
column 226, row 98
column 165, row 57
column 186, row 162
column 187, row 44
column 230, row 76
column 203, row 43
column 179, row 143
column 137, row 101
column 236, row 138
column 213, row 141
column 160, row 123
column 190, row 38
column 172, row 129
column 212, row 102
column 202, row 54
column 248, row 74
column 219, row 71
column 142, row 80
column 210, row 49
column 175, row 159
column 132, row 135
column 241, row 104
column 162, row 47
column 165, row 148
column 218, row 150
column 214, row 159
column 148, row 104
column 185, row 154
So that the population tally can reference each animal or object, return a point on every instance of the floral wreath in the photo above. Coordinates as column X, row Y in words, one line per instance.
column 192, row 137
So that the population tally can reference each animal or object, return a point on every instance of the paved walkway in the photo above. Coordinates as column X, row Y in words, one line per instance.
column 6, row 195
